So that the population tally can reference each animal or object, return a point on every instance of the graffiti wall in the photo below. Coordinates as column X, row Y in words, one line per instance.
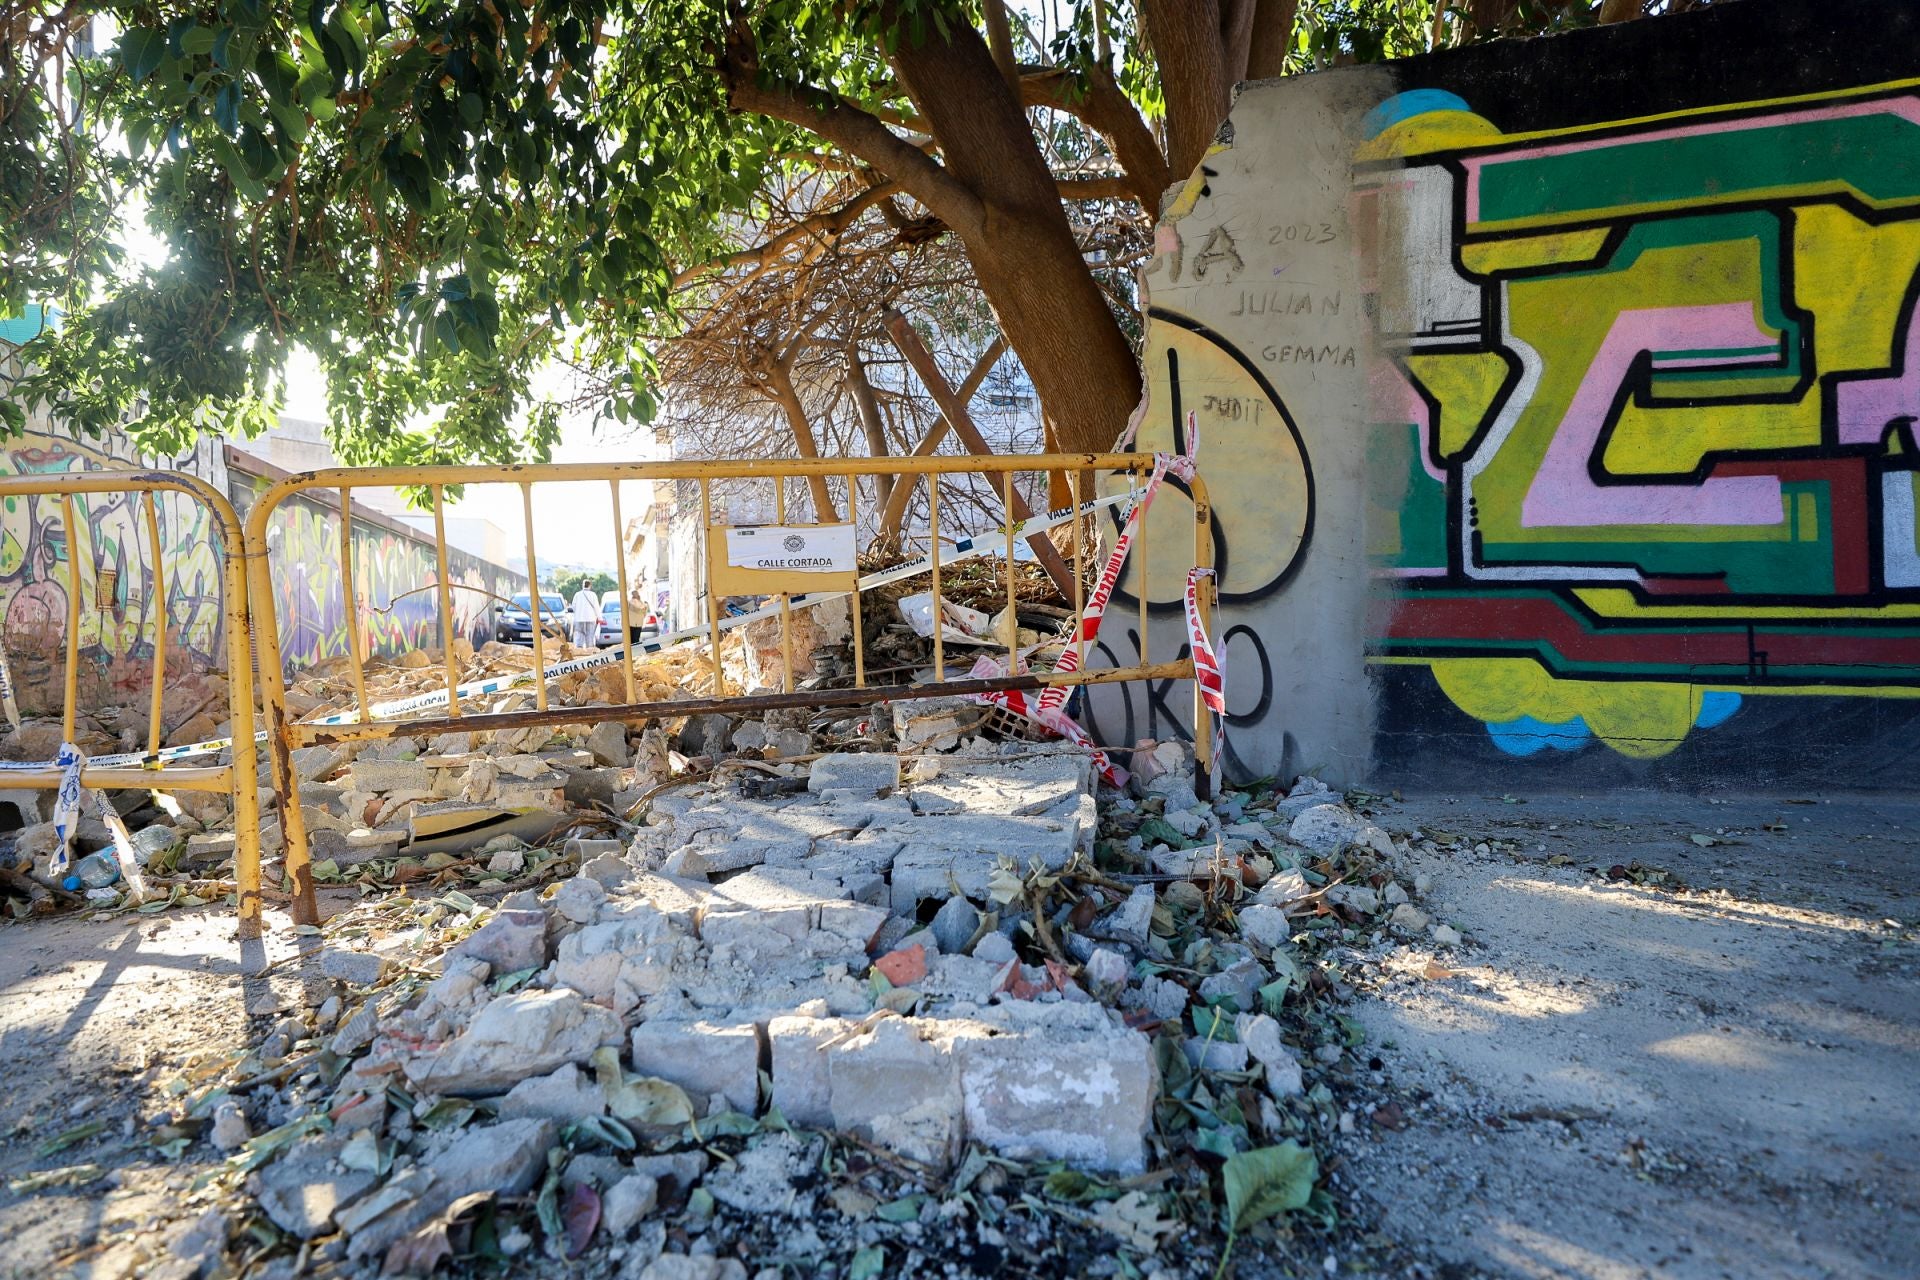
column 124, row 598
column 394, row 575
column 1626, row 451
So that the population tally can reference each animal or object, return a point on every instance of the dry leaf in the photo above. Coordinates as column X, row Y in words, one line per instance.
column 581, row 1214
column 1135, row 1219
column 1437, row 972
column 422, row 1252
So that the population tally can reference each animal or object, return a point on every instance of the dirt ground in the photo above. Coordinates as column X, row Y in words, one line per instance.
column 1624, row 1082
column 1615, row 1080
column 94, row 1016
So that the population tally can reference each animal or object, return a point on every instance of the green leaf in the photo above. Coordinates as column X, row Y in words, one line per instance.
column 868, row 1263
column 1268, row 1182
column 141, row 51
column 196, row 40
column 905, row 1209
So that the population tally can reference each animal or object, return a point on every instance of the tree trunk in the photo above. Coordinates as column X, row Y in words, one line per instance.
column 870, row 423
column 897, row 505
column 1272, row 38
column 779, row 384
column 1022, row 249
column 1190, row 47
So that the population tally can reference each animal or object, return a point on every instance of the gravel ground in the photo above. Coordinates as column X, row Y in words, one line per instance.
column 1618, row 1081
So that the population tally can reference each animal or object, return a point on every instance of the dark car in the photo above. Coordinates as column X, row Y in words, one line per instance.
column 516, row 620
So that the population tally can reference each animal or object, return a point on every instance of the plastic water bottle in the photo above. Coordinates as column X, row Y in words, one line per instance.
column 149, row 842
column 95, row 871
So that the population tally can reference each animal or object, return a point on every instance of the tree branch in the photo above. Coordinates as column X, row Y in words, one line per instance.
column 1106, row 109
column 824, row 225
column 851, row 129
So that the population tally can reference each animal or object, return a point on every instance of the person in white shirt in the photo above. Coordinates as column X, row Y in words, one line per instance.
column 586, row 618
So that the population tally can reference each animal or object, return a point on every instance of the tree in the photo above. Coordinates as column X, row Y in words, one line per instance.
column 597, row 581
column 438, row 200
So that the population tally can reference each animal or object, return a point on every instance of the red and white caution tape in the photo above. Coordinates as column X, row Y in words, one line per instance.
column 1047, row 708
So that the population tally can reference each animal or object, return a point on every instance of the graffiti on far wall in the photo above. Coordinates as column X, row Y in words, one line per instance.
column 1655, row 384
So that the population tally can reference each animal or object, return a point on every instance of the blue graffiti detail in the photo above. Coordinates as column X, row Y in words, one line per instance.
column 1716, row 708
column 1405, row 106
column 1528, row 736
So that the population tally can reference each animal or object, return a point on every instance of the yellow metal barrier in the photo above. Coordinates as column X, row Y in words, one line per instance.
column 1073, row 470
column 148, row 770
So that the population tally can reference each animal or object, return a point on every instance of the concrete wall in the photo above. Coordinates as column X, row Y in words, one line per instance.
column 1558, row 399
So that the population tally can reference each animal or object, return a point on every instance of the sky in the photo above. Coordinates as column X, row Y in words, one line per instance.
column 573, row 523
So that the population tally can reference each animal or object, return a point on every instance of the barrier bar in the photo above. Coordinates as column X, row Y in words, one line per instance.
column 626, row 623
column 447, row 659
column 536, row 610
column 72, row 646
column 157, row 701
column 352, row 603
column 933, row 547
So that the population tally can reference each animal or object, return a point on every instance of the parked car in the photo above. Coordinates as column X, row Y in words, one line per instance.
column 610, row 623
column 516, row 620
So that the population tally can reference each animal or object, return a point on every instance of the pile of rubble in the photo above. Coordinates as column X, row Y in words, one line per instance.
column 938, row 1011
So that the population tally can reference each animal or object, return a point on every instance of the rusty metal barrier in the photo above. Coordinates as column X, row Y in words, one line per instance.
column 149, row 770
column 794, row 586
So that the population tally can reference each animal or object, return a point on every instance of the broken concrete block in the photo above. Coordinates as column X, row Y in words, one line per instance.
column 301, row 1193
column 954, row 925
column 230, row 1130
column 626, row 1202
column 565, row 1096
column 802, row 1090
column 507, row 1158
column 767, row 1179
column 579, row 899
column 356, row 968
column 620, row 961
column 1264, row 926
column 1082, row 1092
column 510, row 942
column 1240, row 978
column 995, row 948
column 702, row 1057
column 894, row 1088
column 1283, row 887
column 754, row 897
column 1132, row 920
column 610, row 868
column 693, row 1266
column 1216, row 1054
column 1326, row 828
column 1408, row 918
column 528, row 1033
column 366, row 774
column 864, row 774
column 935, row 724
column 1261, row 1035
column 311, row 764
column 608, row 744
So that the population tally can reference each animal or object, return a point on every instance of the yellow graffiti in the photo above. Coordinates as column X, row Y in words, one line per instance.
column 1641, row 719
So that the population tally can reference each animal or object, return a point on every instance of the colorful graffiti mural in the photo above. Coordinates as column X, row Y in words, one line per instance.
column 1653, row 384
column 122, row 603
column 390, row 570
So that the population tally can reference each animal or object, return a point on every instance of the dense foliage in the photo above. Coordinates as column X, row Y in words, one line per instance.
column 442, row 200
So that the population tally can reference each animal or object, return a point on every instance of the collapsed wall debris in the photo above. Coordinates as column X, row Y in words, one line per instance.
column 935, row 957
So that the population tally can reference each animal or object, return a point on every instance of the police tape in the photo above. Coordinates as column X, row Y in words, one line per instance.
column 991, row 543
